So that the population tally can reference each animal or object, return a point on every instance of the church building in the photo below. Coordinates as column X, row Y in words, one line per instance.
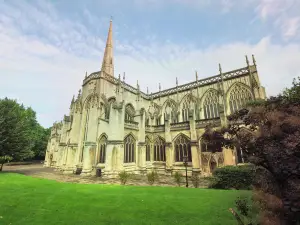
column 113, row 126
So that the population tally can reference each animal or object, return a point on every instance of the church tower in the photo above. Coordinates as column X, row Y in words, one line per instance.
column 108, row 60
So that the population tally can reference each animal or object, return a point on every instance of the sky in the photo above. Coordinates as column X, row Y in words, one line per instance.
column 47, row 46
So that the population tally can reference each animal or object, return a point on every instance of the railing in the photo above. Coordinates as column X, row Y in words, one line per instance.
column 205, row 122
column 158, row 128
column 184, row 87
column 180, row 126
column 131, row 125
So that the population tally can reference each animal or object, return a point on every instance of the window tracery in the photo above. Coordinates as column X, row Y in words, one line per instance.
column 211, row 105
column 102, row 149
column 238, row 98
column 148, row 149
column 129, row 113
column 182, row 148
column 129, row 149
column 188, row 104
column 159, row 150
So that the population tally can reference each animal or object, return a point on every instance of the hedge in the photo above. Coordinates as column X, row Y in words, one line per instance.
column 233, row 177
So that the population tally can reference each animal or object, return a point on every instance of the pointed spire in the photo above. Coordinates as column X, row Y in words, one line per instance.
column 196, row 76
column 108, row 61
column 176, row 81
column 220, row 68
column 85, row 74
column 253, row 60
column 247, row 61
column 73, row 100
column 159, row 87
column 124, row 77
column 147, row 90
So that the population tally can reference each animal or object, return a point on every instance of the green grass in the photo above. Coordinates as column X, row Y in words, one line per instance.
column 32, row 201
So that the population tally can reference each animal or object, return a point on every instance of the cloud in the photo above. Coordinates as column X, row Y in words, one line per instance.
column 284, row 13
column 44, row 56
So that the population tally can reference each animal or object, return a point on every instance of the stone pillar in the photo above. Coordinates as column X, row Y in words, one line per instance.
column 114, row 158
column 194, row 143
column 169, row 157
column 195, row 157
column 88, row 154
column 141, row 157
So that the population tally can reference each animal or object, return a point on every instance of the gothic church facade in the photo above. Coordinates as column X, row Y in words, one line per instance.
column 113, row 126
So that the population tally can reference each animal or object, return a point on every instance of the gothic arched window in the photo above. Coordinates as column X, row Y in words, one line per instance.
column 129, row 149
column 148, row 149
column 129, row 113
column 182, row 148
column 171, row 110
column 102, row 149
column 211, row 105
column 159, row 150
column 188, row 104
column 238, row 98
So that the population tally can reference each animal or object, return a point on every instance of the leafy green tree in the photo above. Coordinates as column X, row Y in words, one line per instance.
column 21, row 136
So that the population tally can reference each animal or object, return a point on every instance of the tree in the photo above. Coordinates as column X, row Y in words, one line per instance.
column 271, row 141
column 21, row 136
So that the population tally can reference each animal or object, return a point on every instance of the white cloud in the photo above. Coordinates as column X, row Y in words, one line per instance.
column 45, row 74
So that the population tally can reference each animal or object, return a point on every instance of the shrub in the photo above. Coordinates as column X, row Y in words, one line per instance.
column 233, row 177
column 124, row 176
column 177, row 178
column 195, row 180
column 152, row 177
column 4, row 159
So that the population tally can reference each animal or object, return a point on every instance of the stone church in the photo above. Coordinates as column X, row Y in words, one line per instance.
column 113, row 126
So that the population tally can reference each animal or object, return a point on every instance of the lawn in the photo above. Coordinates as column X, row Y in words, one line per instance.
column 32, row 201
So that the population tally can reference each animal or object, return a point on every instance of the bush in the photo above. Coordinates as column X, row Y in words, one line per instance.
column 4, row 159
column 233, row 177
column 152, row 177
column 177, row 178
column 195, row 180
column 124, row 176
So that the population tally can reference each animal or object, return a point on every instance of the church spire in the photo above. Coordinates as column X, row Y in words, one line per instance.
column 108, row 61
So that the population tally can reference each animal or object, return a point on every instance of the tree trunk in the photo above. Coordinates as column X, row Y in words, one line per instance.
column 237, row 217
column 1, row 166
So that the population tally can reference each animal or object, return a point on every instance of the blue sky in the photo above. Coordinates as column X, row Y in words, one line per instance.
column 46, row 46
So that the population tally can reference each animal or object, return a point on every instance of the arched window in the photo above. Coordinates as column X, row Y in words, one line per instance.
column 129, row 149
column 102, row 149
column 171, row 110
column 238, row 98
column 148, row 150
column 211, row 105
column 159, row 150
column 182, row 148
column 129, row 113
column 185, row 112
column 188, row 104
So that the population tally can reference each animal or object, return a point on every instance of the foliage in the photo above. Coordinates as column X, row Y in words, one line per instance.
column 152, row 177
column 292, row 95
column 124, row 176
column 248, row 210
column 4, row 159
column 21, row 137
column 160, row 206
column 195, row 180
column 271, row 141
column 177, row 178
column 233, row 177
